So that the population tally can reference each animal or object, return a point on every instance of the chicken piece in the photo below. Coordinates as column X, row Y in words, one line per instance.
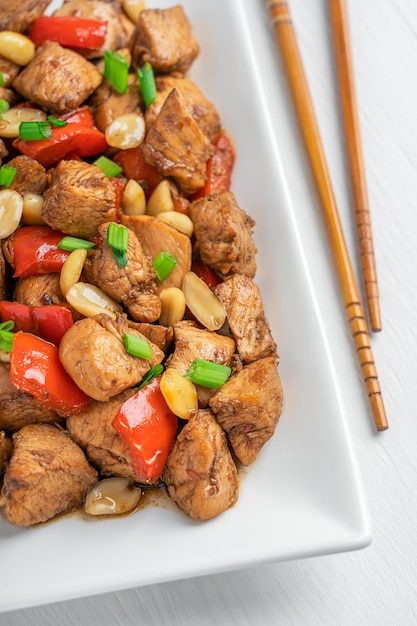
column 192, row 343
column 92, row 430
column 133, row 285
column 48, row 474
column 161, row 336
column 223, row 233
column 163, row 38
column 39, row 290
column 6, row 447
column 248, row 407
column 8, row 69
column 119, row 30
column 9, row 95
column 57, row 79
column 18, row 408
column 177, row 147
column 108, row 104
column 155, row 236
column 201, row 109
column 246, row 317
column 93, row 353
column 19, row 16
column 79, row 198
column 200, row 473
column 30, row 175
column 42, row 290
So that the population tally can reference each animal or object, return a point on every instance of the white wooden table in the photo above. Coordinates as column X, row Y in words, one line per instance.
column 378, row 584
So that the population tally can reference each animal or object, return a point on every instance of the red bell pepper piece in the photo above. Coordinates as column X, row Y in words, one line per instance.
column 35, row 368
column 69, row 31
column 82, row 115
column 181, row 204
column 134, row 166
column 74, row 139
column 219, row 166
column 35, row 251
column 50, row 322
column 206, row 274
column 149, row 428
column 78, row 138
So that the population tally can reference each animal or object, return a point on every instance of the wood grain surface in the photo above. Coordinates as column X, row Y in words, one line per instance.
column 376, row 585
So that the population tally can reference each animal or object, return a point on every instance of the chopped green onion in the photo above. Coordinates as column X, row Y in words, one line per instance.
column 6, row 337
column 31, row 131
column 147, row 83
column 164, row 264
column 6, row 340
column 121, row 258
column 117, row 236
column 7, row 325
column 208, row 374
column 1, row 80
column 73, row 243
column 136, row 346
column 7, row 174
column 4, row 106
column 109, row 167
column 56, row 122
column 155, row 371
column 116, row 70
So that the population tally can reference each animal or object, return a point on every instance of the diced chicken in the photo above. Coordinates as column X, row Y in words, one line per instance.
column 177, row 147
column 161, row 336
column 200, row 473
column 9, row 95
column 93, row 431
column 119, row 30
column 17, row 409
column 246, row 317
column 19, row 16
column 155, row 236
column 93, row 353
column 42, row 290
column 39, row 290
column 248, row 407
column 223, row 233
column 5, row 450
column 30, row 175
column 57, row 79
column 108, row 104
column 163, row 38
column 48, row 474
column 201, row 109
column 8, row 69
column 79, row 198
column 193, row 343
column 132, row 285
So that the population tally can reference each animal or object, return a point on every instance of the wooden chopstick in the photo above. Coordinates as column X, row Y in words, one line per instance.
column 340, row 27
column 287, row 42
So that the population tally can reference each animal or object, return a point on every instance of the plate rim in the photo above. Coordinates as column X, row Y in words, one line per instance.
column 355, row 538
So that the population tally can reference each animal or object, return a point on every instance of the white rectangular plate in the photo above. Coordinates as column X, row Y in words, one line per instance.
column 303, row 495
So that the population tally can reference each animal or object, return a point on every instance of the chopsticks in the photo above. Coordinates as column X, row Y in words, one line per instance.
column 340, row 26
column 287, row 43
